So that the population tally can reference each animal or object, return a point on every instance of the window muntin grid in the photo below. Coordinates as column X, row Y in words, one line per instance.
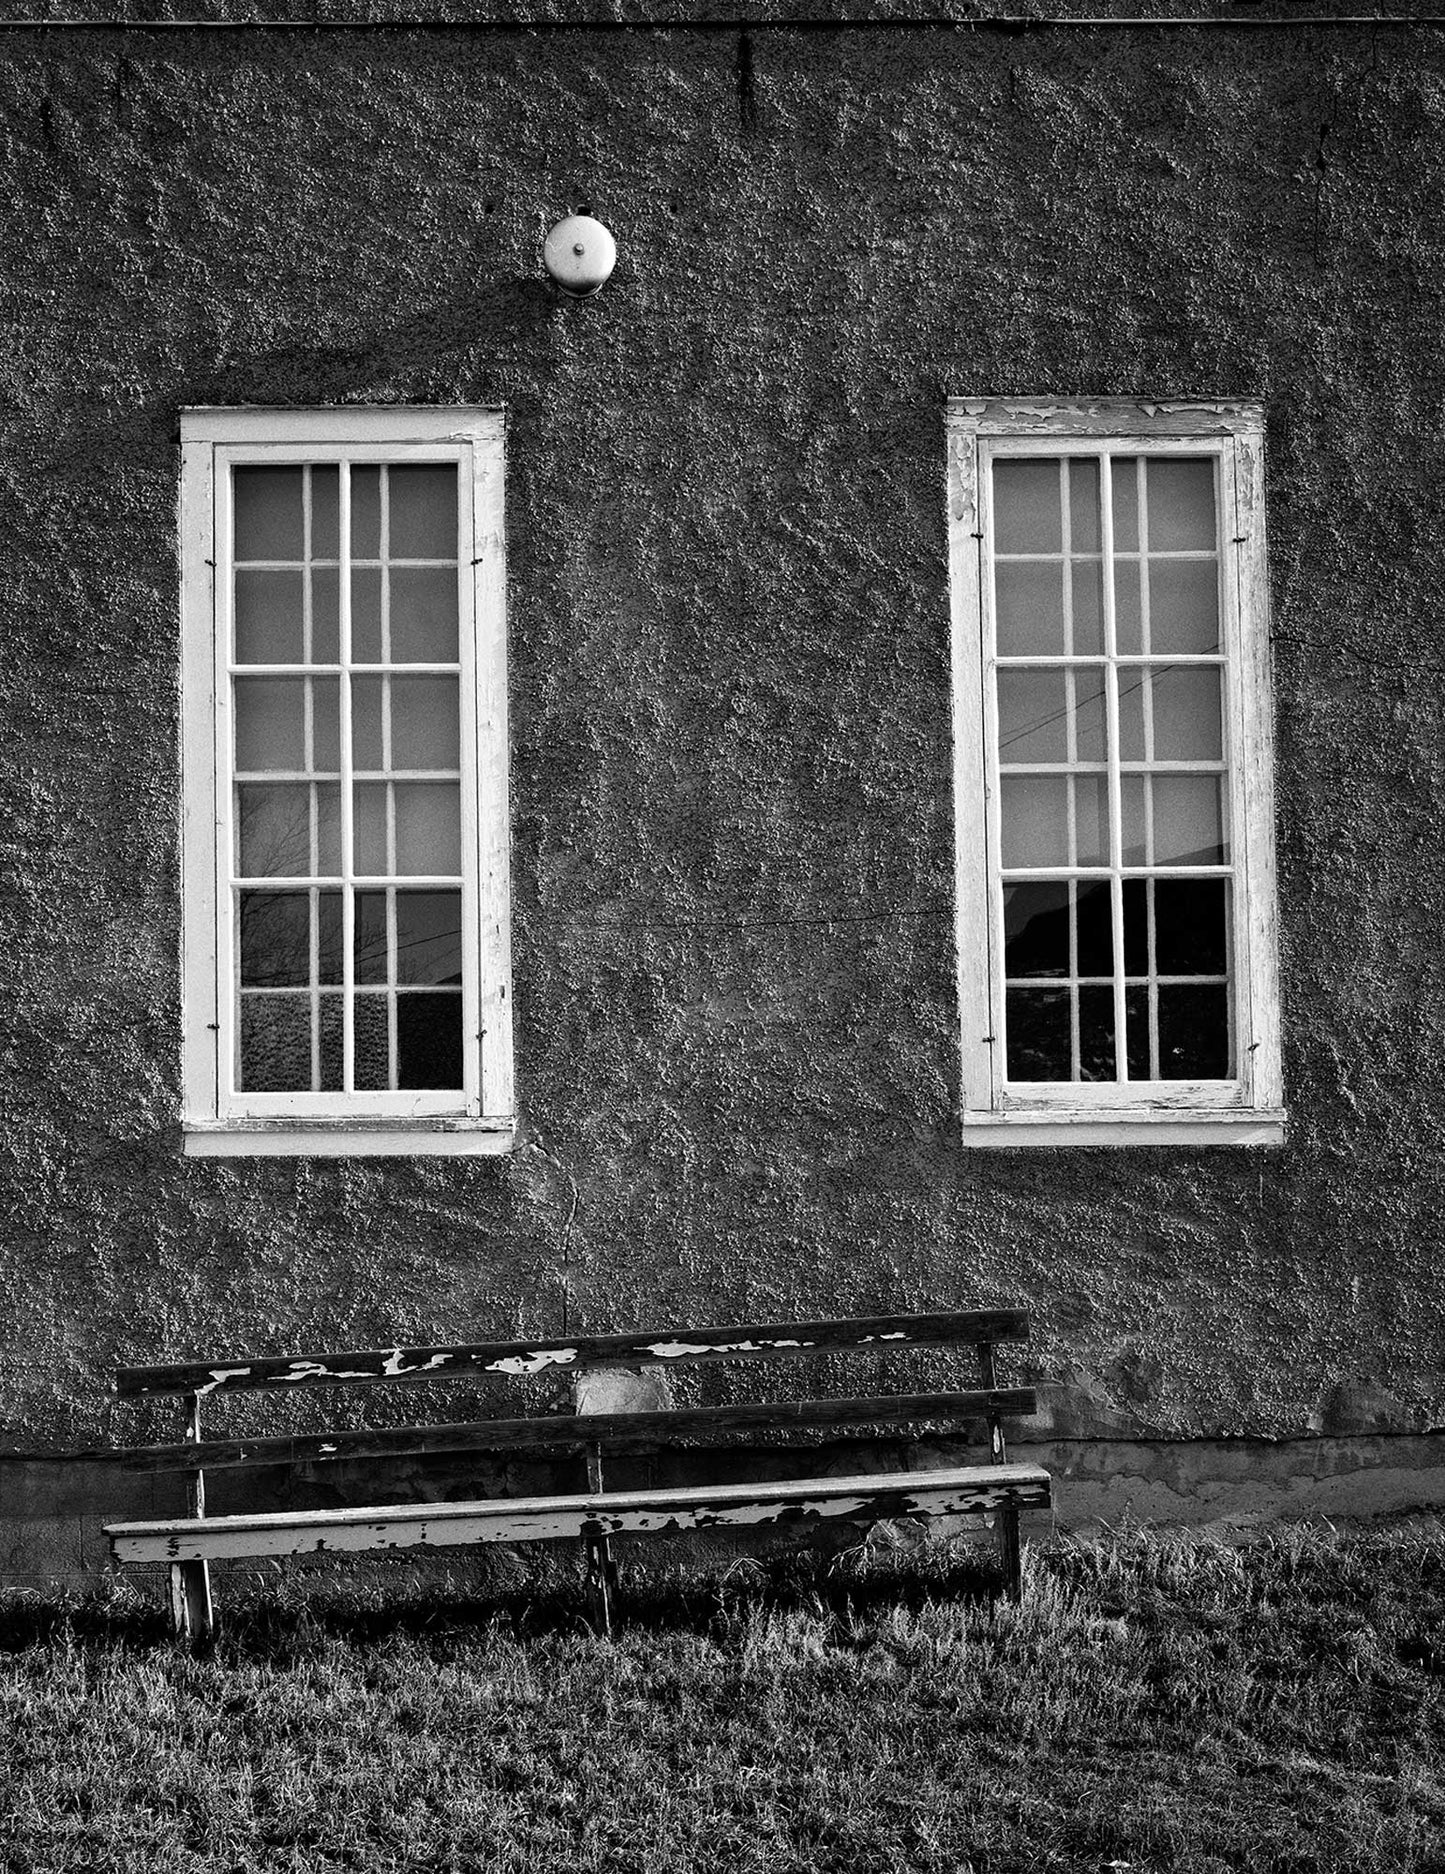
column 1112, row 856
column 348, row 889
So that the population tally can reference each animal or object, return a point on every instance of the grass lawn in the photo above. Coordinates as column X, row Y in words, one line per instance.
column 1159, row 1703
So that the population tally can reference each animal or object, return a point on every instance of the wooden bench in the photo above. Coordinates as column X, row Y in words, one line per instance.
column 188, row 1544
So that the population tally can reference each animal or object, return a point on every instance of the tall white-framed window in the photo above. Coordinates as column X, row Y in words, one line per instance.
column 344, row 781
column 1113, row 774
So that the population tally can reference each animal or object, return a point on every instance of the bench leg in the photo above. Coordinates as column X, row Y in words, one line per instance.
column 193, row 1614
column 601, row 1576
column 1009, row 1557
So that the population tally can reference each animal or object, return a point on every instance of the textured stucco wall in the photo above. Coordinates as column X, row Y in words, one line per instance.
column 737, row 1026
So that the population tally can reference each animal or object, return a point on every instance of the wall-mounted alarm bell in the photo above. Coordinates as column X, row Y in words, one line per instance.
column 580, row 254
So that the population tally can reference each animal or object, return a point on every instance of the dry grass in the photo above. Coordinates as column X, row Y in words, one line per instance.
column 1155, row 1703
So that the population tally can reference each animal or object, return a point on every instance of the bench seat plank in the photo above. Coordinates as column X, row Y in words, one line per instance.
column 526, row 1358
column 571, row 1434
column 875, row 1497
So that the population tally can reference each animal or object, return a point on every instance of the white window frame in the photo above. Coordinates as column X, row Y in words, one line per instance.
column 995, row 1112
column 217, row 1119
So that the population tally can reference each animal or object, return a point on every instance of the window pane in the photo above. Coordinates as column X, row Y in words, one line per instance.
column 424, row 520
column 366, row 615
column 325, row 497
column 328, row 828
column 1031, row 716
column 1088, row 608
column 1094, row 912
column 1084, row 506
column 1038, row 1034
column 330, row 952
column 1136, row 1034
column 1188, row 820
column 273, row 830
column 1091, row 819
column 1030, row 608
column 1194, row 1032
column 325, row 615
column 332, row 1043
column 1189, row 926
column 267, row 514
column 369, row 826
column 365, row 513
column 270, row 724
column 1125, row 481
column 269, row 617
column 429, row 1040
column 325, row 725
column 425, row 726
column 1184, row 606
column 1036, row 929
column 1091, row 741
column 1185, row 706
column 1034, row 814
column 1096, row 1033
column 429, row 937
column 275, row 1053
column 1027, row 512
column 424, row 615
column 428, row 828
column 370, row 953
column 1181, row 504
column 372, row 1042
column 275, row 939
column 366, row 706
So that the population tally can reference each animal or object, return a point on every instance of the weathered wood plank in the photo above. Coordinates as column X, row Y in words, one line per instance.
column 525, row 1359
column 970, row 1490
column 570, row 1435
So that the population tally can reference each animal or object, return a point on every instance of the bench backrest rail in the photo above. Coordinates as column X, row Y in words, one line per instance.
column 526, row 1359
column 574, row 1434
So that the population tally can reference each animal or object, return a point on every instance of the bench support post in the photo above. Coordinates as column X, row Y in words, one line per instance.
column 193, row 1613
column 1009, row 1555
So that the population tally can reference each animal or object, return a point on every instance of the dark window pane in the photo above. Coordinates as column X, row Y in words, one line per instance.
column 273, row 828
column 1189, row 927
column 275, row 1044
column 1036, row 929
column 1136, row 1033
column 325, row 496
column 429, row 937
column 268, row 515
column 1136, row 927
column 429, row 1040
column 423, row 511
column 1096, row 1033
column 1038, row 1034
column 268, row 617
column 1096, row 930
column 1194, row 1032
column 365, row 513
column 371, row 1042
column 275, row 939
column 370, row 952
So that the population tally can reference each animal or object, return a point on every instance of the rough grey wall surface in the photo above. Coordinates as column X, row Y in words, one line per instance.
column 731, row 801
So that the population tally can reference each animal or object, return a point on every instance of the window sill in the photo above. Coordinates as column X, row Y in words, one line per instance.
column 285, row 1138
column 1140, row 1128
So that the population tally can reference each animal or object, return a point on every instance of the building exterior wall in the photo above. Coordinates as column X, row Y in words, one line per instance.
column 736, row 1031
